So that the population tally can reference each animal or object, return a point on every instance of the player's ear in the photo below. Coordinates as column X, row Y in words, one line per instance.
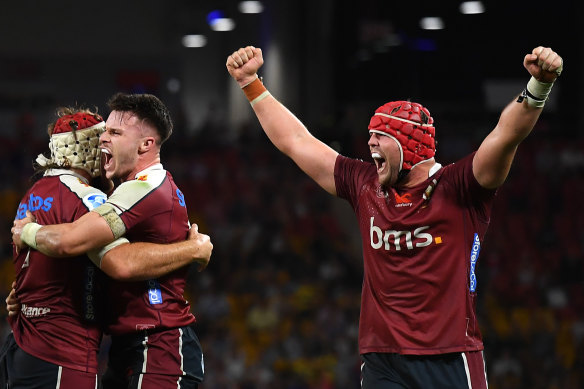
column 147, row 144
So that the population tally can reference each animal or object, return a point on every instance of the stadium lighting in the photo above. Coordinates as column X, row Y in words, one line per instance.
column 194, row 40
column 224, row 24
column 218, row 22
column 472, row 7
column 431, row 23
column 251, row 7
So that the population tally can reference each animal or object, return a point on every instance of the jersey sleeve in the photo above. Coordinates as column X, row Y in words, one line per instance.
column 90, row 197
column 129, row 199
column 469, row 189
column 350, row 177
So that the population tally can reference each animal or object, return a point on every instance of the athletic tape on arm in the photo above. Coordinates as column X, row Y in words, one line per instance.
column 28, row 234
column 113, row 220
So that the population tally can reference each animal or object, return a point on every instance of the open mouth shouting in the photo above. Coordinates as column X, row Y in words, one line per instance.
column 107, row 158
column 380, row 162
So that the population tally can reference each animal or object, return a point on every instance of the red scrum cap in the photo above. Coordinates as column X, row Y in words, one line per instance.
column 411, row 126
column 75, row 122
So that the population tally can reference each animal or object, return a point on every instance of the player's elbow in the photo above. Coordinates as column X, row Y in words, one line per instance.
column 118, row 268
column 118, row 271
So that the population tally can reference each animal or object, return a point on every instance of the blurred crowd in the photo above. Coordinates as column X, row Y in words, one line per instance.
column 278, row 306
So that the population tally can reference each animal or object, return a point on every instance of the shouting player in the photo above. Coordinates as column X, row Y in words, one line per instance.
column 421, row 224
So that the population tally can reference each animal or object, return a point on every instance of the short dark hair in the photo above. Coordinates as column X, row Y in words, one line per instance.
column 146, row 107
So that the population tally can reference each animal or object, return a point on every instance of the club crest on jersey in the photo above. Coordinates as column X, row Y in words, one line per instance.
column 380, row 192
column 94, row 200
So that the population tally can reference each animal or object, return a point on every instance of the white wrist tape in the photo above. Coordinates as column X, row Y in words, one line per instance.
column 537, row 92
column 28, row 234
column 260, row 98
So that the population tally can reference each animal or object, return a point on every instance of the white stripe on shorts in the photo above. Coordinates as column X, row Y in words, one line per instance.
column 145, row 343
column 59, row 377
column 180, row 346
column 466, row 370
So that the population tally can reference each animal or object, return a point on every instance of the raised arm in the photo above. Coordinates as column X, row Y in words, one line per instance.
column 493, row 159
column 283, row 129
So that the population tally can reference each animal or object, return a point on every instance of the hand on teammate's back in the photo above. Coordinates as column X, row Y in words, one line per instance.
column 203, row 247
column 17, row 230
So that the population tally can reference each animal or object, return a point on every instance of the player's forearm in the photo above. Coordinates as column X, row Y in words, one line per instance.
column 51, row 240
column 516, row 123
column 142, row 261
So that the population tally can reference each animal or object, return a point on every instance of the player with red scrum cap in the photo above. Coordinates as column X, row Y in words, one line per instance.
column 55, row 337
column 421, row 224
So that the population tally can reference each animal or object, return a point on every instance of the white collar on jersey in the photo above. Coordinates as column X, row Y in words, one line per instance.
column 434, row 169
column 157, row 166
column 60, row 172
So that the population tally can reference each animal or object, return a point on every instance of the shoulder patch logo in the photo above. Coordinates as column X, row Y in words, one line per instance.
column 94, row 200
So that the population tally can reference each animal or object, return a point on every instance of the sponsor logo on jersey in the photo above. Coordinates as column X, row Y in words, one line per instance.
column 29, row 311
column 94, row 200
column 34, row 203
column 402, row 201
column 154, row 292
column 398, row 240
column 181, row 198
column 89, row 296
column 474, row 256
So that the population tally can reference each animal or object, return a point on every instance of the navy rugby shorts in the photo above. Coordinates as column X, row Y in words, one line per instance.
column 464, row 370
column 155, row 359
column 20, row 370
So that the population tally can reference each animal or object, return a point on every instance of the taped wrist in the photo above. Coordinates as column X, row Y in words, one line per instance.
column 536, row 93
column 28, row 234
column 255, row 91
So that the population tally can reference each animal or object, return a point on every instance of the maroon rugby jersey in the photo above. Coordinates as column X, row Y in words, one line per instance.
column 419, row 284
column 152, row 209
column 57, row 322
